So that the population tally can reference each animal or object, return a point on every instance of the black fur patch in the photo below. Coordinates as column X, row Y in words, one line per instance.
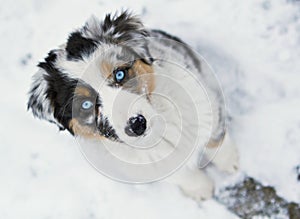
column 106, row 129
column 77, row 46
column 33, row 102
column 60, row 91
column 125, row 27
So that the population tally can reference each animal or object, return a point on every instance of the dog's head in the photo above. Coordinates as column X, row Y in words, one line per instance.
column 99, row 83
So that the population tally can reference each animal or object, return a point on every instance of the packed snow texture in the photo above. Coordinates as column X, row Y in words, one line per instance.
column 254, row 47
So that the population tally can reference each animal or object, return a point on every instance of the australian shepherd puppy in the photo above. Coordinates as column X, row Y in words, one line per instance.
column 142, row 93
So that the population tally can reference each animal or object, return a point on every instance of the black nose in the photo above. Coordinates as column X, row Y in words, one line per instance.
column 136, row 125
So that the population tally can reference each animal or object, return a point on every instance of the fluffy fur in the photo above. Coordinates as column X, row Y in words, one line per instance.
column 158, row 81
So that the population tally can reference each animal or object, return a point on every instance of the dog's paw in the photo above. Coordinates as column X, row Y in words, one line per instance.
column 228, row 164
column 199, row 192
column 227, row 157
column 197, row 186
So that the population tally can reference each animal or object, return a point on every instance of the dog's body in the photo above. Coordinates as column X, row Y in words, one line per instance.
column 106, row 83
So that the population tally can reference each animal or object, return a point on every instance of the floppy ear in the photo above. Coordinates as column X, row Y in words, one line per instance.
column 39, row 103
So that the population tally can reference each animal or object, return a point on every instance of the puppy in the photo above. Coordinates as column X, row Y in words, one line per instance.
column 116, row 81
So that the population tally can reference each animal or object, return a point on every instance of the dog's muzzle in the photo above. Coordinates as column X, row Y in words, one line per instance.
column 136, row 126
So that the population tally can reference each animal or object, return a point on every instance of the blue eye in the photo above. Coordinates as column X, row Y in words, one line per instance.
column 87, row 105
column 120, row 75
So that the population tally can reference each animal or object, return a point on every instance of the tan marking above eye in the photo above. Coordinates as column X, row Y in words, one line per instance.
column 139, row 68
column 82, row 91
column 84, row 131
column 106, row 69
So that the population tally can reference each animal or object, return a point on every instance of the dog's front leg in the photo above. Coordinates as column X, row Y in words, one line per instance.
column 193, row 182
column 224, row 155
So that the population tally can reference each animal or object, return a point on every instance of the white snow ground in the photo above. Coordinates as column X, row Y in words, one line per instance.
column 254, row 47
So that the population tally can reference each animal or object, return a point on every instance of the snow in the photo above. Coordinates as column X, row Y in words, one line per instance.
column 254, row 47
